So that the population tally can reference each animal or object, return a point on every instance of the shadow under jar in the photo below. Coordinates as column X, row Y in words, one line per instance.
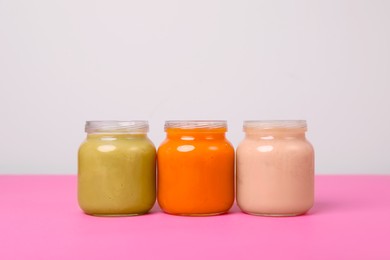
column 195, row 169
column 116, row 169
column 275, row 169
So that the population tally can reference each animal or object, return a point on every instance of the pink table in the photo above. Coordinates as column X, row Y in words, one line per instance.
column 40, row 219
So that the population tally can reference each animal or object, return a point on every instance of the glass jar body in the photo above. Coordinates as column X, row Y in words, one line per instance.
column 275, row 172
column 195, row 172
column 116, row 174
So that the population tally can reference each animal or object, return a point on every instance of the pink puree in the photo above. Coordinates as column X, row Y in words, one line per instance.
column 40, row 219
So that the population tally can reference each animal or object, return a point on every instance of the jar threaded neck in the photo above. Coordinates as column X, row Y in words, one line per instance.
column 112, row 126
column 274, row 124
column 195, row 124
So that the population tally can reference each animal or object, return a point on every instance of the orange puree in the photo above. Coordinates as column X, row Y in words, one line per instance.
column 195, row 169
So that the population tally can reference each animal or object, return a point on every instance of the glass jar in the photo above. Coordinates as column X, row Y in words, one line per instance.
column 275, row 169
column 116, row 169
column 195, row 169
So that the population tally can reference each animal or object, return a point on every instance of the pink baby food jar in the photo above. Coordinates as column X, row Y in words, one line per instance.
column 275, row 169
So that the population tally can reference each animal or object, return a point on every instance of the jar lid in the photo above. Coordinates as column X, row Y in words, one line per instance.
column 274, row 124
column 196, row 124
column 111, row 126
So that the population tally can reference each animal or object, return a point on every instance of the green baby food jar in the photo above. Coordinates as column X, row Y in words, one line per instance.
column 116, row 169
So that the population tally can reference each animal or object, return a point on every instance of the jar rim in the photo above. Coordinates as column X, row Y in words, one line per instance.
column 116, row 126
column 195, row 124
column 274, row 124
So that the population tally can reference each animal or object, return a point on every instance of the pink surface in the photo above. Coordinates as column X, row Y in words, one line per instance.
column 40, row 219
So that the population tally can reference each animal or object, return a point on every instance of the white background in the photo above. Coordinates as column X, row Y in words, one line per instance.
column 64, row 62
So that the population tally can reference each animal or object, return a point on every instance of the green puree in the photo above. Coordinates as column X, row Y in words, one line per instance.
column 117, row 174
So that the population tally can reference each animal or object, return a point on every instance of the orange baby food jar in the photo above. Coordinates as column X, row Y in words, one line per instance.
column 275, row 169
column 195, row 169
